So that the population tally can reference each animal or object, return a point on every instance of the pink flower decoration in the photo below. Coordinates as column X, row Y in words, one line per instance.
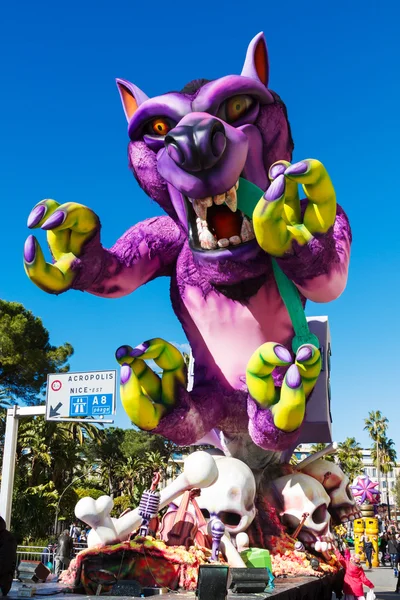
column 365, row 490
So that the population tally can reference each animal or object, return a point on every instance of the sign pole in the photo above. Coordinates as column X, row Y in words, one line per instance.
column 10, row 448
column 8, row 471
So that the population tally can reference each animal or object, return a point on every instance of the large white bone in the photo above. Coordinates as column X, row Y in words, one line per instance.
column 199, row 471
column 232, row 555
column 331, row 449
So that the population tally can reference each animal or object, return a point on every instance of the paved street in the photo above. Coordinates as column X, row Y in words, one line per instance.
column 385, row 582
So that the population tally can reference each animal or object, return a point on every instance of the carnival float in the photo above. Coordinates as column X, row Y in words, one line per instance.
column 243, row 253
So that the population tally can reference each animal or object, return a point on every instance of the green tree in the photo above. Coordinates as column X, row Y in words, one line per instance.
column 349, row 458
column 26, row 355
column 376, row 425
column 109, row 459
column 388, row 458
column 396, row 491
column 49, row 456
column 136, row 443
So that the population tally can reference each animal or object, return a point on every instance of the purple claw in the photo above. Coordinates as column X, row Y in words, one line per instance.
column 122, row 351
column 293, row 379
column 139, row 350
column 297, row 169
column 304, row 353
column 276, row 170
column 30, row 249
column 36, row 215
column 125, row 373
column 283, row 353
column 55, row 220
column 276, row 189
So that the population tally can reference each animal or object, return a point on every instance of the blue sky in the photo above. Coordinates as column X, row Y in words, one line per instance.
column 63, row 131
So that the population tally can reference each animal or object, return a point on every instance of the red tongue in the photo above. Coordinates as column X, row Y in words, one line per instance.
column 223, row 222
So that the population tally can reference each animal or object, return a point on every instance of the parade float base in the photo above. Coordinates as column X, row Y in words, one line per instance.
column 291, row 588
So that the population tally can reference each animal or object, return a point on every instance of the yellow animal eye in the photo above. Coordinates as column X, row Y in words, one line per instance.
column 160, row 127
column 236, row 107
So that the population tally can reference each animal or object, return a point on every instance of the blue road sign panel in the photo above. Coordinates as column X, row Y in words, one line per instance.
column 91, row 405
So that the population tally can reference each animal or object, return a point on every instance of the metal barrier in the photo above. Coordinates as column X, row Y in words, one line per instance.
column 32, row 553
column 78, row 546
column 36, row 552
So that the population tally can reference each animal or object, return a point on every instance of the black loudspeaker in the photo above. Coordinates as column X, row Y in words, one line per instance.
column 248, row 581
column 32, row 570
column 212, row 583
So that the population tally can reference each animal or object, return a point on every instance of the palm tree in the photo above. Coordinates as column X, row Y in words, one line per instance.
column 376, row 425
column 388, row 457
column 349, row 458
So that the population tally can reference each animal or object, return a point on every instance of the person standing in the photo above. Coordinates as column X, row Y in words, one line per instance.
column 8, row 558
column 383, row 549
column 354, row 576
column 64, row 552
column 368, row 549
column 392, row 549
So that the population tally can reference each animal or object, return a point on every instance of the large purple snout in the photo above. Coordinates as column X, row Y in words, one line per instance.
column 203, row 156
column 197, row 146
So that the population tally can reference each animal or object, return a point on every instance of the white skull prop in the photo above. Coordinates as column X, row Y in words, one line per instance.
column 301, row 494
column 343, row 506
column 231, row 497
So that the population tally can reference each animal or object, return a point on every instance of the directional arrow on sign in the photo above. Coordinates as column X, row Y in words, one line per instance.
column 54, row 411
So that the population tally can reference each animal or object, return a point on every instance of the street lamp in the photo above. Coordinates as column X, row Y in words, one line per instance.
column 68, row 486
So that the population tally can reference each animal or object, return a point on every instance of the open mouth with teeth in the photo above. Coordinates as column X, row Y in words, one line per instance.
column 216, row 223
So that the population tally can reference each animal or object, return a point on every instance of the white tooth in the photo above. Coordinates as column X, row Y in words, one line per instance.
column 207, row 240
column 246, row 231
column 200, row 208
column 324, row 546
column 231, row 199
column 223, row 243
column 318, row 545
column 235, row 240
column 237, row 184
column 208, row 201
column 201, row 225
column 220, row 199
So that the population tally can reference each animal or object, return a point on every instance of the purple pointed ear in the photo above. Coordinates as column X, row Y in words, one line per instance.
column 256, row 64
column 131, row 96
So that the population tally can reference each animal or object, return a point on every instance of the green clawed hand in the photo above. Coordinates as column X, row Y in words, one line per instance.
column 69, row 226
column 277, row 217
column 288, row 403
column 145, row 396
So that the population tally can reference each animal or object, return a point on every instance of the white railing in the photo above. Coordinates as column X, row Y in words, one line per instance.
column 35, row 552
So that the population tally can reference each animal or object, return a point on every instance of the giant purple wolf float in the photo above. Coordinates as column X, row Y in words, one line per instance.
column 193, row 152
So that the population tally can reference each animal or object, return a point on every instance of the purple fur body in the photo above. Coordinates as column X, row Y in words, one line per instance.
column 225, row 297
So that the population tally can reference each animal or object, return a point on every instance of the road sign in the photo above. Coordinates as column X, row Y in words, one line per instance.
column 88, row 396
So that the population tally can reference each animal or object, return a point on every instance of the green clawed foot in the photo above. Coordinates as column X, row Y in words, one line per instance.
column 288, row 403
column 145, row 396
column 277, row 217
column 69, row 226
